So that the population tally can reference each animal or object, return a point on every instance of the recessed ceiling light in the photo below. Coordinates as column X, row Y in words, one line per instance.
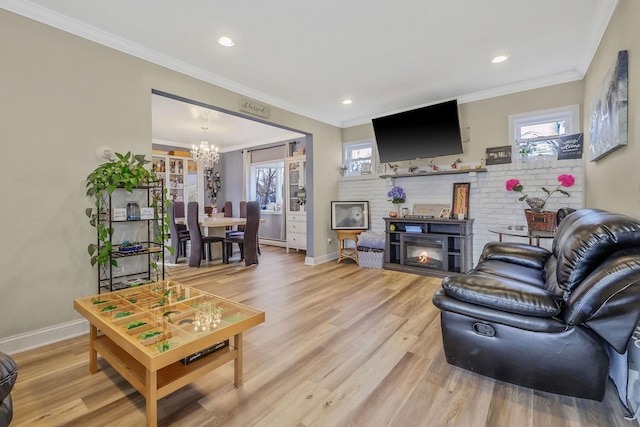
column 500, row 58
column 226, row 41
column 347, row 101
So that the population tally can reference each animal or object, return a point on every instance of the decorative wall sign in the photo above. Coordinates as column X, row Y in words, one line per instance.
column 608, row 116
column 119, row 214
column 256, row 108
column 498, row 155
column 460, row 205
column 570, row 146
column 147, row 213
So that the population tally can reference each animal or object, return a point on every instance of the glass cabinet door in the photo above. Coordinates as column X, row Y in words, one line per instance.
column 295, row 176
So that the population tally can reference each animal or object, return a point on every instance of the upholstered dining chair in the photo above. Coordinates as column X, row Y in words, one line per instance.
column 248, row 239
column 240, row 229
column 228, row 213
column 199, row 242
column 179, row 233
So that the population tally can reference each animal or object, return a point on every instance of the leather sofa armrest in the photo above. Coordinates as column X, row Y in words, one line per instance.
column 485, row 314
column 502, row 294
column 516, row 253
column 8, row 375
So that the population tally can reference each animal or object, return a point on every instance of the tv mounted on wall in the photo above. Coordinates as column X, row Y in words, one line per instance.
column 426, row 132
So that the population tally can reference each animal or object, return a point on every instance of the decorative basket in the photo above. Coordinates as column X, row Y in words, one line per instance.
column 370, row 257
column 541, row 221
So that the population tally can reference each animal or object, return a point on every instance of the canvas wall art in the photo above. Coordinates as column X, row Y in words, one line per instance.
column 608, row 114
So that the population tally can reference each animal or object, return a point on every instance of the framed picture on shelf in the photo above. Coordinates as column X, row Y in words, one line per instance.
column 350, row 215
column 460, row 204
column 445, row 213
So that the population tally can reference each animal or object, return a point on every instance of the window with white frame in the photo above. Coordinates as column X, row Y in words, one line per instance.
column 358, row 158
column 532, row 133
column 268, row 181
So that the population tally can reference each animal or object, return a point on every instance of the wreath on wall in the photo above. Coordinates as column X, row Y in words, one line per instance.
column 213, row 184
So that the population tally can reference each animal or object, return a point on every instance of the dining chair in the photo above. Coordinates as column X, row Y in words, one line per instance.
column 228, row 213
column 199, row 242
column 247, row 240
column 179, row 233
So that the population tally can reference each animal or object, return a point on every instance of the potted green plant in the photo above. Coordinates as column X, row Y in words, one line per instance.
column 126, row 171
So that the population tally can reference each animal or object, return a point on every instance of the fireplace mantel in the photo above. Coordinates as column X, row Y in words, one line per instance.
column 433, row 173
column 457, row 243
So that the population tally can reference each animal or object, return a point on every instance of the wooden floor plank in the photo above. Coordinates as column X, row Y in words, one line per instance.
column 341, row 346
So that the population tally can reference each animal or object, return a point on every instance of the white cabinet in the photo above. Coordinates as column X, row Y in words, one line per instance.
column 296, row 216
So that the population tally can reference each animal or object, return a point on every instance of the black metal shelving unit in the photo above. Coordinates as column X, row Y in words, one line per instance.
column 109, row 277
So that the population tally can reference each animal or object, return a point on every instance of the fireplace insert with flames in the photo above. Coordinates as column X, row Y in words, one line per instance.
column 426, row 252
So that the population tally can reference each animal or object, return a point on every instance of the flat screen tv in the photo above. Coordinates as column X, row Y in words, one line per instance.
column 426, row 132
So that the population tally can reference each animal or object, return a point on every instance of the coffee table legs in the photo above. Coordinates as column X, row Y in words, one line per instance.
column 152, row 398
column 93, row 353
column 238, row 377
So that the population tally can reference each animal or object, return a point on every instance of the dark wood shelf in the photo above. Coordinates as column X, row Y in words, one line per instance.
column 445, row 172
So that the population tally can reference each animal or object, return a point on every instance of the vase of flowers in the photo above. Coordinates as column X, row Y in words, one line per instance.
column 538, row 219
column 397, row 197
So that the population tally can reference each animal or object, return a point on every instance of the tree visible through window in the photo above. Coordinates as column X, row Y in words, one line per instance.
column 268, row 186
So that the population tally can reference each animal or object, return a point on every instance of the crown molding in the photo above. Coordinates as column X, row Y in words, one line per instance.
column 64, row 23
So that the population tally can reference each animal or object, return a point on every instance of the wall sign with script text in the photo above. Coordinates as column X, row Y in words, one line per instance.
column 570, row 147
column 255, row 108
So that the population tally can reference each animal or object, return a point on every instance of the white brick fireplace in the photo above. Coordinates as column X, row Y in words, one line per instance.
column 489, row 202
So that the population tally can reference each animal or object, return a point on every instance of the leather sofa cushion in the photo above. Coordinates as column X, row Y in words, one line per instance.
column 507, row 270
column 516, row 253
column 504, row 294
column 585, row 238
column 607, row 300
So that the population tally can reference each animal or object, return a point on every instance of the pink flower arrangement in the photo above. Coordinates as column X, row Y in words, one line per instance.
column 565, row 180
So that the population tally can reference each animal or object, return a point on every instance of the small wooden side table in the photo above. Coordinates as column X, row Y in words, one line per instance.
column 343, row 251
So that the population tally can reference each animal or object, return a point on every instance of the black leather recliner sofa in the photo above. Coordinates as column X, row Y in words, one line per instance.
column 8, row 375
column 550, row 321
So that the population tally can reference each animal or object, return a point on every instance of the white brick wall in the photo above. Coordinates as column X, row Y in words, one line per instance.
column 489, row 202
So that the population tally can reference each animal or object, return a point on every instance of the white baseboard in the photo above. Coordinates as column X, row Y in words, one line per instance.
column 270, row 242
column 42, row 337
column 52, row 334
column 319, row 260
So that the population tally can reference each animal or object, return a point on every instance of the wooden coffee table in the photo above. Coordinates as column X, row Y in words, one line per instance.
column 162, row 336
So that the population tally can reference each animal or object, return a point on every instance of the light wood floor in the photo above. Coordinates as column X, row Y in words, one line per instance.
column 341, row 346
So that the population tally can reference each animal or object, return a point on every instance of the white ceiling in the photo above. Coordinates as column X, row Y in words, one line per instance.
column 179, row 124
column 386, row 56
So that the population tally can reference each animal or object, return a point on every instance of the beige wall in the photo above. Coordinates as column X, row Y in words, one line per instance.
column 487, row 120
column 62, row 97
column 613, row 182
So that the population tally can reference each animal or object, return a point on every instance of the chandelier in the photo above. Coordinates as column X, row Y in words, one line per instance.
column 204, row 154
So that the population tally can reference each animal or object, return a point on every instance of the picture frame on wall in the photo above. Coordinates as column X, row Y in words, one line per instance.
column 350, row 215
column 460, row 203
column 608, row 114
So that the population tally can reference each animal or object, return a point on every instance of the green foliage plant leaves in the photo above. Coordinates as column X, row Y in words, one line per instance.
column 126, row 171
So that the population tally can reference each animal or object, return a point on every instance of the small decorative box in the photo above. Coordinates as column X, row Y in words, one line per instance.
column 413, row 229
